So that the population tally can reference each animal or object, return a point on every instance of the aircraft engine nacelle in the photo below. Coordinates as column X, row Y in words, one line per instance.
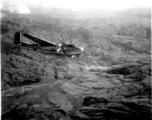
column 35, row 47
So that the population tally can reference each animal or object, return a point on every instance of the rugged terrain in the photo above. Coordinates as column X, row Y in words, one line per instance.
column 110, row 81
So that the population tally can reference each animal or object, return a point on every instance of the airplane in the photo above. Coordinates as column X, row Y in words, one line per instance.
column 45, row 46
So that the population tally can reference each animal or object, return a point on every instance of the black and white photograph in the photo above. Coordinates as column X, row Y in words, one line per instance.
column 75, row 59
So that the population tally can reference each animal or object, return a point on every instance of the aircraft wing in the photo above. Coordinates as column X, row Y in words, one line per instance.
column 40, row 41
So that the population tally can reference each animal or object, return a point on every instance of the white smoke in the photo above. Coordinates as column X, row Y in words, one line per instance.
column 14, row 7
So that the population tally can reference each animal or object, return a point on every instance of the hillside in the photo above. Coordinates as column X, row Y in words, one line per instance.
column 111, row 80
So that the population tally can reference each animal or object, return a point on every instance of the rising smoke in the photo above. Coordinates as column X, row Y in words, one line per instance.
column 14, row 7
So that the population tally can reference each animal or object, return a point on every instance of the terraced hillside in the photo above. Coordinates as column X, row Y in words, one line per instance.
column 110, row 81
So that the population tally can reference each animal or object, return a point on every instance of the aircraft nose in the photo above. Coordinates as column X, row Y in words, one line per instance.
column 60, row 45
column 82, row 49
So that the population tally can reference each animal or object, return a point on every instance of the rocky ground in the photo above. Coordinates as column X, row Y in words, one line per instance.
column 43, row 87
column 110, row 81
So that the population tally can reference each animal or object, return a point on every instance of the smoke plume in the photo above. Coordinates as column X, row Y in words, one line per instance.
column 14, row 7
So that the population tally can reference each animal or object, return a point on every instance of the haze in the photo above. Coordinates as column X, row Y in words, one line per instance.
column 75, row 5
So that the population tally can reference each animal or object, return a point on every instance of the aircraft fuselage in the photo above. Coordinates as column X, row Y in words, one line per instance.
column 47, row 46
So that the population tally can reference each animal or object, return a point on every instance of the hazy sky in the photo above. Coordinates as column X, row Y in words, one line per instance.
column 99, row 4
column 22, row 5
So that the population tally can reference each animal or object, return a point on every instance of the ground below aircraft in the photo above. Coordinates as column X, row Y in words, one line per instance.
column 44, row 46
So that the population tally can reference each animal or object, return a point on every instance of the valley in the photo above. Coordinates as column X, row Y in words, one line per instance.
column 110, row 81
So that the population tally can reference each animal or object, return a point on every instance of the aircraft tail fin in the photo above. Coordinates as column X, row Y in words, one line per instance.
column 17, row 38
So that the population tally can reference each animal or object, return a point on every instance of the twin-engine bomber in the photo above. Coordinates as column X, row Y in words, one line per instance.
column 41, row 45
